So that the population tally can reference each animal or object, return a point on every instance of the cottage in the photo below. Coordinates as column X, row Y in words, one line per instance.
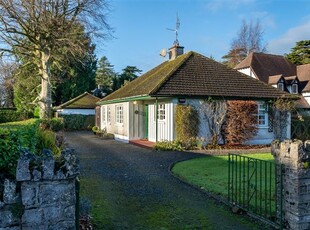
column 145, row 108
column 83, row 104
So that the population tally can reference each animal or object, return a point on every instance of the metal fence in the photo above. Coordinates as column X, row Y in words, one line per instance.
column 255, row 186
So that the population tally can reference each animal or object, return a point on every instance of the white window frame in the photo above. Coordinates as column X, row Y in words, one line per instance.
column 103, row 115
column 281, row 86
column 295, row 88
column 161, row 112
column 108, row 115
column 262, row 114
column 119, row 114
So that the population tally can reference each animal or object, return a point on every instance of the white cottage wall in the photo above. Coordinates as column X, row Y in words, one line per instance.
column 120, row 130
column 77, row 111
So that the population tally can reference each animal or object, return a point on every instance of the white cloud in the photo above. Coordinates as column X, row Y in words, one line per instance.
column 215, row 5
column 288, row 40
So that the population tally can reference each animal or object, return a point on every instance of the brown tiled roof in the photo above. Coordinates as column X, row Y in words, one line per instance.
column 274, row 79
column 303, row 72
column 265, row 65
column 192, row 74
column 83, row 101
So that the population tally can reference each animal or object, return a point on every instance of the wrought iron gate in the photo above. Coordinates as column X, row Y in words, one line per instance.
column 256, row 186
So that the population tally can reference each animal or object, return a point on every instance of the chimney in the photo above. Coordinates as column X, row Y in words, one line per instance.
column 175, row 51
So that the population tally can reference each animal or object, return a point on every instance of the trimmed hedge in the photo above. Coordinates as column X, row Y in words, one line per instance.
column 10, row 115
column 78, row 122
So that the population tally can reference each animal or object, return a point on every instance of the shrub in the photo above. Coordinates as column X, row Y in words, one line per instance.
column 10, row 115
column 169, row 146
column 241, row 122
column 78, row 122
column 54, row 124
column 187, row 123
column 9, row 149
column 46, row 139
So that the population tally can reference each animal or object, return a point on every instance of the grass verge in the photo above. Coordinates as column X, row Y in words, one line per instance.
column 210, row 173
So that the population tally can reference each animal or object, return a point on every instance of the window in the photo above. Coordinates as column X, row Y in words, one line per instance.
column 281, row 85
column 295, row 88
column 262, row 114
column 108, row 114
column 161, row 112
column 103, row 114
column 119, row 114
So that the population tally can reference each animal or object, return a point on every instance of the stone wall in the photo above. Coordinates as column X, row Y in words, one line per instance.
column 295, row 157
column 43, row 196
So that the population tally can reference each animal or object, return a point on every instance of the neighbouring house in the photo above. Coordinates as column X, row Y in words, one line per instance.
column 83, row 104
column 279, row 72
column 145, row 108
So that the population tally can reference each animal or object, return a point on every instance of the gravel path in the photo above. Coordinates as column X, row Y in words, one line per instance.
column 132, row 188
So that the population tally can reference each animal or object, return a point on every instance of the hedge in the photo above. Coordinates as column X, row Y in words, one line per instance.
column 78, row 122
column 10, row 114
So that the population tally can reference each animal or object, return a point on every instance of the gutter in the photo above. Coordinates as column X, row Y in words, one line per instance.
column 125, row 99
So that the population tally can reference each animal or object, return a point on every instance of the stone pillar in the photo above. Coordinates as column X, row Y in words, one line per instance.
column 295, row 156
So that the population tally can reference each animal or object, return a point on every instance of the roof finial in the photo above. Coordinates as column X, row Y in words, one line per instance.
column 177, row 27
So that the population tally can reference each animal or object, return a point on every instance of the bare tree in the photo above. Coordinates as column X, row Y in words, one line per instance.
column 7, row 70
column 249, row 39
column 214, row 112
column 38, row 29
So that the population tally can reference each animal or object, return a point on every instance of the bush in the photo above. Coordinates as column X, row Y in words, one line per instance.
column 241, row 121
column 54, row 124
column 46, row 139
column 169, row 146
column 187, row 123
column 10, row 115
column 9, row 149
column 78, row 122
column 16, row 136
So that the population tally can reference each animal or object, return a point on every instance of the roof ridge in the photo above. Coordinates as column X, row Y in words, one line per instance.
column 75, row 99
column 187, row 55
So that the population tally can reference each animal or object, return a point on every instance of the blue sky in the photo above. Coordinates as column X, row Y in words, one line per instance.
column 207, row 27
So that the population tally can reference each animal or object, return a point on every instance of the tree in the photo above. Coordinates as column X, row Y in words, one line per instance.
column 7, row 70
column 39, row 29
column 241, row 122
column 249, row 39
column 129, row 73
column 300, row 54
column 104, row 77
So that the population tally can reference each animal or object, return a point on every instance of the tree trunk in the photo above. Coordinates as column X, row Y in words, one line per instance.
column 45, row 101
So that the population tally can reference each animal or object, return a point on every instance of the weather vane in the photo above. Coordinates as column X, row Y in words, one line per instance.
column 177, row 27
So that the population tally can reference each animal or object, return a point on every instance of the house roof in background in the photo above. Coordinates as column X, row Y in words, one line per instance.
column 274, row 79
column 302, row 103
column 83, row 101
column 265, row 65
column 195, row 75
column 303, row 72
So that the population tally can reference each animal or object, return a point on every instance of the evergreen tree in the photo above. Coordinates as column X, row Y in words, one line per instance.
column 104, row 78
column 300, row 54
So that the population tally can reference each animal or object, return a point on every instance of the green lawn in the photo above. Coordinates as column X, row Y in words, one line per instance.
column 211, row 172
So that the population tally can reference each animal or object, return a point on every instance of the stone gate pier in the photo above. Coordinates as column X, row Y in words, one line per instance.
column 295, row 157
column 43, row 196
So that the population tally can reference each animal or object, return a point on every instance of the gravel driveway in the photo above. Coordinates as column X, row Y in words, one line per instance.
column 132, row 188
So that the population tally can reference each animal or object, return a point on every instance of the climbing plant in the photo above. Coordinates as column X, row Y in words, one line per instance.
column 187, row 124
